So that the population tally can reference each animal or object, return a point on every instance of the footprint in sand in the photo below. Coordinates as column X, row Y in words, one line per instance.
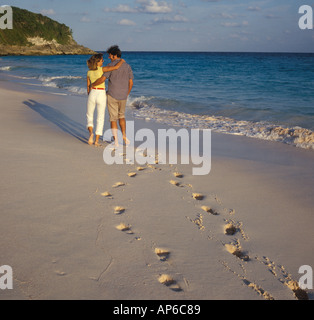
column 106, row 194
column 178, row 175
column 259, row 290
column 132, row 174
column 230, row 229
column 125, row 228
column 298, row 292
column 162, row 253
column 233, row 227
column 209, row 210
column 198, row 196
column 118, row 184
column 284, row 277
column 175, row 183
column 169, row 282
column 236, row 250
column 166, row 279
column 119, row 210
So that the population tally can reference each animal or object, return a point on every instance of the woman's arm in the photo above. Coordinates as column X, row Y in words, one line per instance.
column 88, row 85
column 116, row 67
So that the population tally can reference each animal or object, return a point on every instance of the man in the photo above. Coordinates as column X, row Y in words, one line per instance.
column 119, row 87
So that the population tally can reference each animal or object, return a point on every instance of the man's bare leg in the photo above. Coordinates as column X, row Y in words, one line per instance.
column 122, row 124
column 114, row 130
column 91, row 136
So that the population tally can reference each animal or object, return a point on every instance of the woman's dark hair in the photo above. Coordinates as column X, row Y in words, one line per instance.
column 115, row 51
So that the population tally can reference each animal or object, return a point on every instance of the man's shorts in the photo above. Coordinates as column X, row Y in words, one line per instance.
column 116, row 108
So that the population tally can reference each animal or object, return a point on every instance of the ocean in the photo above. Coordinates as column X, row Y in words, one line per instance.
column 266, row 96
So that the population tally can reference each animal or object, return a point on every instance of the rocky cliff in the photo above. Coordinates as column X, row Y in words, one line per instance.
column 35, row 34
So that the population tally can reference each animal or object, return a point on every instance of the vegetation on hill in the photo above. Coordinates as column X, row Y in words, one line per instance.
column 27, row 24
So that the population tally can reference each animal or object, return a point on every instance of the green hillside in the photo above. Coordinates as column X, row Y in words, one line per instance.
column 28, row 24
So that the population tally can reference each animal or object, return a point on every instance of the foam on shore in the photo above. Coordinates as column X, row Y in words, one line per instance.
column 296, row 136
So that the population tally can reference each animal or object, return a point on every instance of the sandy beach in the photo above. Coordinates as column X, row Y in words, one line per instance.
column 69, row 231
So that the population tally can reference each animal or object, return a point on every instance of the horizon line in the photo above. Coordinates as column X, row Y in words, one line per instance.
column 165, row 51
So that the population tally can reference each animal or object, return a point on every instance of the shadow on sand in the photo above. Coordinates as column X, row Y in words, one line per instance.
column 65, row 123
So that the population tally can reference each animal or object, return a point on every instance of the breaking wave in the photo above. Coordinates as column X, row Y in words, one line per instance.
column 143, row 107
column 7, row 68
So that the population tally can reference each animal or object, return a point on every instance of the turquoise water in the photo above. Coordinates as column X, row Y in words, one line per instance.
column 262, row 95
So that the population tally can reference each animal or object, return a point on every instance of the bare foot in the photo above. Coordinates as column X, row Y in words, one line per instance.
column 97, row 144
column 91, row 139
column 126, row 141
column 114, row 146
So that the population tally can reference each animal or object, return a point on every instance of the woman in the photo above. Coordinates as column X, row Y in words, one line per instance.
column 97, row 96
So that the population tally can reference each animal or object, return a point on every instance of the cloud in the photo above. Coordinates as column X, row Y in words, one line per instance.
column 176, row 19
column 224, row 15
column 121, row 8
column 48, row 12
column 254, row 9
column 145, row 6
column 153, row 6
column 126, row 22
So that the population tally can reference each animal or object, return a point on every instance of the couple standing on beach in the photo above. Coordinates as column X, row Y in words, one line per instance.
column 120, row 84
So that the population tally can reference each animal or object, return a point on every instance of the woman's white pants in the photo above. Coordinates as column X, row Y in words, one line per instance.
column 96, row 98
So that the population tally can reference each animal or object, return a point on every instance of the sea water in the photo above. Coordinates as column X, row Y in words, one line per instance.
column 261, row 95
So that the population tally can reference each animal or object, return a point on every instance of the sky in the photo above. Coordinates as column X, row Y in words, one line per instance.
column 181, row 25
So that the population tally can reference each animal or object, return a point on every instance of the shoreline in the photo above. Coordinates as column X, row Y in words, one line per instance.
column 58, row 230
column 301, row 136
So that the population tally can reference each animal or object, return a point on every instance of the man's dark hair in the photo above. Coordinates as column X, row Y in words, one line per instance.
column 115, row 51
